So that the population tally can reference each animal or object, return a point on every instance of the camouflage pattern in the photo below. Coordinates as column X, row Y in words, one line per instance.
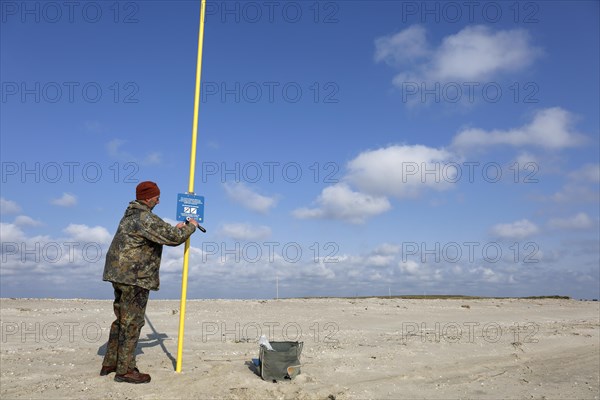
column 130, row 309
column 134, row 255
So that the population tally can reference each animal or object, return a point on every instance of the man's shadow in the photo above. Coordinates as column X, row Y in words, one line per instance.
column 153, row 339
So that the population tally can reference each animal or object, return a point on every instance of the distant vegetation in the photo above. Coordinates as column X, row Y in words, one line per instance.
column 439, row 296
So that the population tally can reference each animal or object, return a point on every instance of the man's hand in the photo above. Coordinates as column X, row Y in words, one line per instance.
column 190, row 220
column 193, row 221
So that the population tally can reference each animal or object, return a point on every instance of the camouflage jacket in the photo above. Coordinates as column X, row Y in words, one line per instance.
column 133, row 257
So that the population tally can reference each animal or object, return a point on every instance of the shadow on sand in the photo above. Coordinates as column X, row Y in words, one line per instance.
column 153, row 339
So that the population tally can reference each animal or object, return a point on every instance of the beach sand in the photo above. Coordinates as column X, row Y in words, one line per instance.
column 373, row 348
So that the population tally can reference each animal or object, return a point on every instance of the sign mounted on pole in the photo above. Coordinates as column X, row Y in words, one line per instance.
column 190, row 206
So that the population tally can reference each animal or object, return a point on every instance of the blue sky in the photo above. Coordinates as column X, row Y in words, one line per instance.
column 345, row 147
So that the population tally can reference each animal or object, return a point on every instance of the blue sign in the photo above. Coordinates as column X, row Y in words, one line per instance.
column 190, row 206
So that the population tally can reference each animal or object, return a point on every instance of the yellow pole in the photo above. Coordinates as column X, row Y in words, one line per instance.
column 184, row 277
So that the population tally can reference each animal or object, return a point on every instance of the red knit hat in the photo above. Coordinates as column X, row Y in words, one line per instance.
column 146, row 190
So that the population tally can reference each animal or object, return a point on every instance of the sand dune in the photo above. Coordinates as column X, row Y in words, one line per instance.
column 353, row 349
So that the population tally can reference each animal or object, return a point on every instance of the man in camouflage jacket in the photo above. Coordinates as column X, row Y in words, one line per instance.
column 132, row 265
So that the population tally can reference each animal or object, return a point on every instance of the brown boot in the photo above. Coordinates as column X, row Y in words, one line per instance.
column 133, row 376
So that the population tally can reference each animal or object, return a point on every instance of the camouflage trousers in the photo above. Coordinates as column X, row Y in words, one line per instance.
column 130, row 309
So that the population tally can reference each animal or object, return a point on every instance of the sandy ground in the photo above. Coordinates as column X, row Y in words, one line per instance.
column 353, row 349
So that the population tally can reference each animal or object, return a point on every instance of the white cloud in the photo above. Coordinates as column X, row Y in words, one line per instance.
column 245, row 231
column 526, row 158
column 387, row 249
column 515, row 230
column 84, row 233
column 350, row 274
column 587, row 173
column 67, row 200
column 575, row 193
column 379, row 260
column 8, row 206
column 582, row 186
column 24, row 220
column 405, row 46
column 486, row 275
column 11, row 233
column 246, row 197
column 401, row 171
column 473, row 54
column 341, row 202
column 477, row 53
column 49, row 262
column 383, row 255
column 410, row 267
column 551, row 128
column 578, row 221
